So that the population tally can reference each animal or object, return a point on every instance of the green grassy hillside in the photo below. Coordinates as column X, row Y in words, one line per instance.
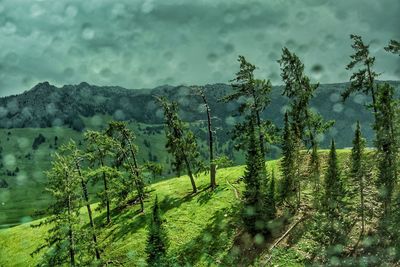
column 204, row 229
column 23, row 168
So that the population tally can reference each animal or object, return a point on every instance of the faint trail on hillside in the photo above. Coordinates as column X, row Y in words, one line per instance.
column 235, row 190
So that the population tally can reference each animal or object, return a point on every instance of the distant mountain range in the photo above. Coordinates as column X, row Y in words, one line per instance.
column 46, row 106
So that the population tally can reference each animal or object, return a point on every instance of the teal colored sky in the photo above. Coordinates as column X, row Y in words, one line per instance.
column 143, row 44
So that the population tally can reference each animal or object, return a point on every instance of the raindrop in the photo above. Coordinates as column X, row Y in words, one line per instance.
column 229, row 18
column 26, row 219
column 147, row 6
column 119, row 115
column 284, row 109
column 51, row 109
column 230, row 121
column 68, row 72
column 71, row 11
column 212, row 57
column 338, row 107
column 259, row 239
column 36, row 10
column 96, row 121
column 57, row 122
column 23, row 142
column 317, row 68
column 3, row 112
column 88, row 33
column 334, row 97
column 106, row 72
column 229, row 48
column 9, row 160
column 359, row 99
column 301, row 16
column 21, row 178
column 168, row 55
column 9, row 28
column 11, row 58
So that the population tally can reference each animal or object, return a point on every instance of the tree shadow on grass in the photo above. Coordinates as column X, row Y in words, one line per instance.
column 207, row 195
column 129, row 221
column 210, row 243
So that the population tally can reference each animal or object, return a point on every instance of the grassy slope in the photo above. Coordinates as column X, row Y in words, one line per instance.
column 26, row 192
column 201, row 228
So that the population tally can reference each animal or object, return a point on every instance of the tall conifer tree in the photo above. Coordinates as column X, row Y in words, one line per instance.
column 387, row 144
column 358, row 172
column 334, row 189
column 181, row 142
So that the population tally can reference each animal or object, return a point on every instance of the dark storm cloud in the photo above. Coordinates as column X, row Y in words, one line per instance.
column 139, row 44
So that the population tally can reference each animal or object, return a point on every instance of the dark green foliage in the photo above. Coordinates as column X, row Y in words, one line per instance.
column 65, row 239
column 99, row 151
column 269, row 201
column 181, row 142
column 334, row 190
column 363, row 80
column 387, row 143
column 254, row 96
column 358, row 172
column 157, row 240
column 126, row 157
column 254, row 177
column 40, row 139
column 299, row 90
column 329, row 224
column 287, row 186
column 393, row 47
column 3, row 183
column 154, row 168
column 305, row 125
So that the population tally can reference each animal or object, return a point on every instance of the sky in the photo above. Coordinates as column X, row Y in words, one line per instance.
column 148, row 43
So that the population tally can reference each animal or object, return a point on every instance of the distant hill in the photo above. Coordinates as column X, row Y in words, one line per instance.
column 46, row 106
column 34, row 124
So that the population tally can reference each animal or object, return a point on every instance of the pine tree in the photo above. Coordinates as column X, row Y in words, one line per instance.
column 270, row 203
column 127, row 156
column 213, row 184
column 181, row 142
column 358, row 172
column 363, row 80
column 287, row 185
column 78, row 157
column 393, row 47
column 99, row 149
column 305, row 124
column 387, row 144
column 64, row 233
column 254, row 177
column 157, row 241
column 334, row 190
column 156, row 169
column 256, row 97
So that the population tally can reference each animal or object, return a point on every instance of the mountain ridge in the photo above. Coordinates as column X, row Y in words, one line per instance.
column 46, row 105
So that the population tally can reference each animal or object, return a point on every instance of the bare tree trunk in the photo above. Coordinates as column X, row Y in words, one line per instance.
column 106, row 193
column 362, row 205
column 261, row 134
column 71, row 235
column 136, row 172
column 189, row 170
column 213, row 170
column 86, row 197
column 371, row 82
